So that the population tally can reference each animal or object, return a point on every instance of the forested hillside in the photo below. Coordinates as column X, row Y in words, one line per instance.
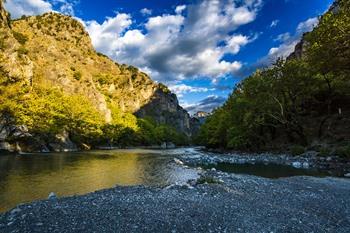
column 299, row 103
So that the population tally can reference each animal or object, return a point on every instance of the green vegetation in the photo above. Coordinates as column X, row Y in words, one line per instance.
column 208, row 180
column 21, row 38
column 48, row 111
column 22, row 51
column 297, row 150
column 293, row 102
column 77, row 75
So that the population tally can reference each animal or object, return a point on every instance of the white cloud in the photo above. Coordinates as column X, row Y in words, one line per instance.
column 274, row 23
column 106, row 36
column 146, row 11
column 284, row 37
column 235, row 43
column 175, row 46
column 180, row 9
column 65, row 6
column 17, row 8
column 180, row 89
column 307, row 25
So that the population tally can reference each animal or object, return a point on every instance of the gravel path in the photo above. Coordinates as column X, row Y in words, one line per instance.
column 233, row 203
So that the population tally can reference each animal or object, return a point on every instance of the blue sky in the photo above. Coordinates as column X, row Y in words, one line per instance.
column 199, row 48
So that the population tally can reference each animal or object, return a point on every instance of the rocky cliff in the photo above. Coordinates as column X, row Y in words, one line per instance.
column 55, row 50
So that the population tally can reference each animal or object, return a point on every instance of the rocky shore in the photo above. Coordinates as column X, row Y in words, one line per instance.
column 333, row 165
column 216, row 202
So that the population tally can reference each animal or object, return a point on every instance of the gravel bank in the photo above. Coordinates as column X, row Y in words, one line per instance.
column 233, row 203
column 334, row 165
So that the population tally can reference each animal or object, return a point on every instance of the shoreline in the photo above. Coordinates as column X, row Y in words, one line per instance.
column 334, row 165
column 223, row 204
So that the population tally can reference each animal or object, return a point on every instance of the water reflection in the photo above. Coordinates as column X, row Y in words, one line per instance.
column 273, row 171
column 25, row 178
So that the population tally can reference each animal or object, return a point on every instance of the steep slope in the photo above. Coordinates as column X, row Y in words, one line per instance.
column 51, row 56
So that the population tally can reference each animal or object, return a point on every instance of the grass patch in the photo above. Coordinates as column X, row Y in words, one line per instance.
column 208, row 180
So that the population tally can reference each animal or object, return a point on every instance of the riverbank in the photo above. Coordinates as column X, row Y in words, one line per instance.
column 333, row 165
column 229, row 203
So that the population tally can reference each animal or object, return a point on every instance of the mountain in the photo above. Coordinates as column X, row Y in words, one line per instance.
column 53, row 53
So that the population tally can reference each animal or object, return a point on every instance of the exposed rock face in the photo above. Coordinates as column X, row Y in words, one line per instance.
column 299, row 49
column 57, row 52
column 164, row 107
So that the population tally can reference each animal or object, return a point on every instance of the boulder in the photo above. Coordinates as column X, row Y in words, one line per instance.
column 52, row 196
column 297, row 164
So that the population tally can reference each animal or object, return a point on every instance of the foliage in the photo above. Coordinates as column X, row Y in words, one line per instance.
column 77, row 75
column 208, row 180
column 21, row 38
column 22, row 51
column 292, row 101
column 297, row 150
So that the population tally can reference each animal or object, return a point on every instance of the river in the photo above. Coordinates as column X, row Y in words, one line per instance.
column 29, row 177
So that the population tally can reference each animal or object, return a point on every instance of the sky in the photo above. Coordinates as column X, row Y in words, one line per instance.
column 199, row 48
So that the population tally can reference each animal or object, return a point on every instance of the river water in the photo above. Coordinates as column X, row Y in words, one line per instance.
column 24, row 178
column 29, row 177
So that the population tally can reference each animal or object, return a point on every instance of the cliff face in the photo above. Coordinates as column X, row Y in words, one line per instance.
column 55, row 51
column 165, row 109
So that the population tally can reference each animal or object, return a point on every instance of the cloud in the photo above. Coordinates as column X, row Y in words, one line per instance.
column 180, row 9
column 174, row 46
column 17, row 8
column 307, row 25
column 65, row 6
column 181, row 89
column 146, row 11
column 289, row 42
column 283, row 37
column 207, row 105
column 274, row 23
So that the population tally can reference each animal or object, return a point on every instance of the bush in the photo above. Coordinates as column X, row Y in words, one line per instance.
column 22, row 51
column 208, row 180
column 297, row 150
column 343, row 151
column 77, row 75
column 2, row 43
column 22, row 39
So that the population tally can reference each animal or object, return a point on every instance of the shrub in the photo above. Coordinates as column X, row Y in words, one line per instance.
column 22, row 39
column 22, row 51
column 208, row 180
column 77, row 75
column 297, row 150
column 343, row 151
column 2, row 43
